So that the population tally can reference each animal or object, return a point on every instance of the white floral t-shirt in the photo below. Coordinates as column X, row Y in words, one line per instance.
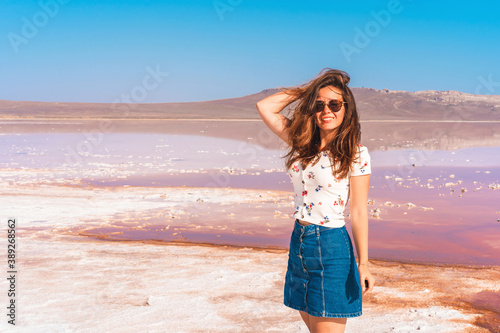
column 320, row 198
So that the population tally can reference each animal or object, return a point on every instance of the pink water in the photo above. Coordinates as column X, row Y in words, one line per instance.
column 461, row 228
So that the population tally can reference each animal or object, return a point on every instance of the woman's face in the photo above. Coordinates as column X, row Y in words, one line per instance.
column 329, row 121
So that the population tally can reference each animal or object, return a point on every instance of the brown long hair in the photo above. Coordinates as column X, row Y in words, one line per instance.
column 304, row 132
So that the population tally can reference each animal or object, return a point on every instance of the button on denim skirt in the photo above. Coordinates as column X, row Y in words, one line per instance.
column 322, row 277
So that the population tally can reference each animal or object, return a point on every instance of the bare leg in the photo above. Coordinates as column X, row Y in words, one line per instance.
column 327, row 325
column 305, row 317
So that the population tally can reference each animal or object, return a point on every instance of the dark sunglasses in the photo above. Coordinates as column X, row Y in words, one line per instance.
column 333, row 105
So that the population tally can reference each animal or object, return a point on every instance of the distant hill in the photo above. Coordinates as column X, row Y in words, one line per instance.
column 373, row 104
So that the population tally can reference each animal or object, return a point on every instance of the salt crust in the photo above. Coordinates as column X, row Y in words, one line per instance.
column 70, row 284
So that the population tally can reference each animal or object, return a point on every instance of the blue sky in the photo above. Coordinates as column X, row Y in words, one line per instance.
column 101, row 51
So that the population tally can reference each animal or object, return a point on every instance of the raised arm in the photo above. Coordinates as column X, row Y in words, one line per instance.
column 269, row 110
column 359, row 186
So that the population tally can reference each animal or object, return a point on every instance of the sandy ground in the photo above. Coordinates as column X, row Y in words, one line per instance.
column 74, row 284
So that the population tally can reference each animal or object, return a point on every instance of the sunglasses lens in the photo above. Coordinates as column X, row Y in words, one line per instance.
column 320, row 106
column 335, row 106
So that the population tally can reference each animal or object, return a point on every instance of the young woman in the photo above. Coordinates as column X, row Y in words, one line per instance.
column 327, row 165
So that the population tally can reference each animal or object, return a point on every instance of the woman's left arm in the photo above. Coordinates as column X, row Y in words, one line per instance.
column 359, row 186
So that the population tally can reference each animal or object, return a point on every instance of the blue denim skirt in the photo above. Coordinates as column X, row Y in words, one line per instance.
column 322, row 277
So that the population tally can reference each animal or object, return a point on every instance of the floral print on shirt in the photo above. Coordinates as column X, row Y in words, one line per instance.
column 309, row 208
column 326, row 195
column 362, row 169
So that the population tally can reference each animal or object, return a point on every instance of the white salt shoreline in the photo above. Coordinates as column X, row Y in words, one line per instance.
column 75, row 284
column 71, row 283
